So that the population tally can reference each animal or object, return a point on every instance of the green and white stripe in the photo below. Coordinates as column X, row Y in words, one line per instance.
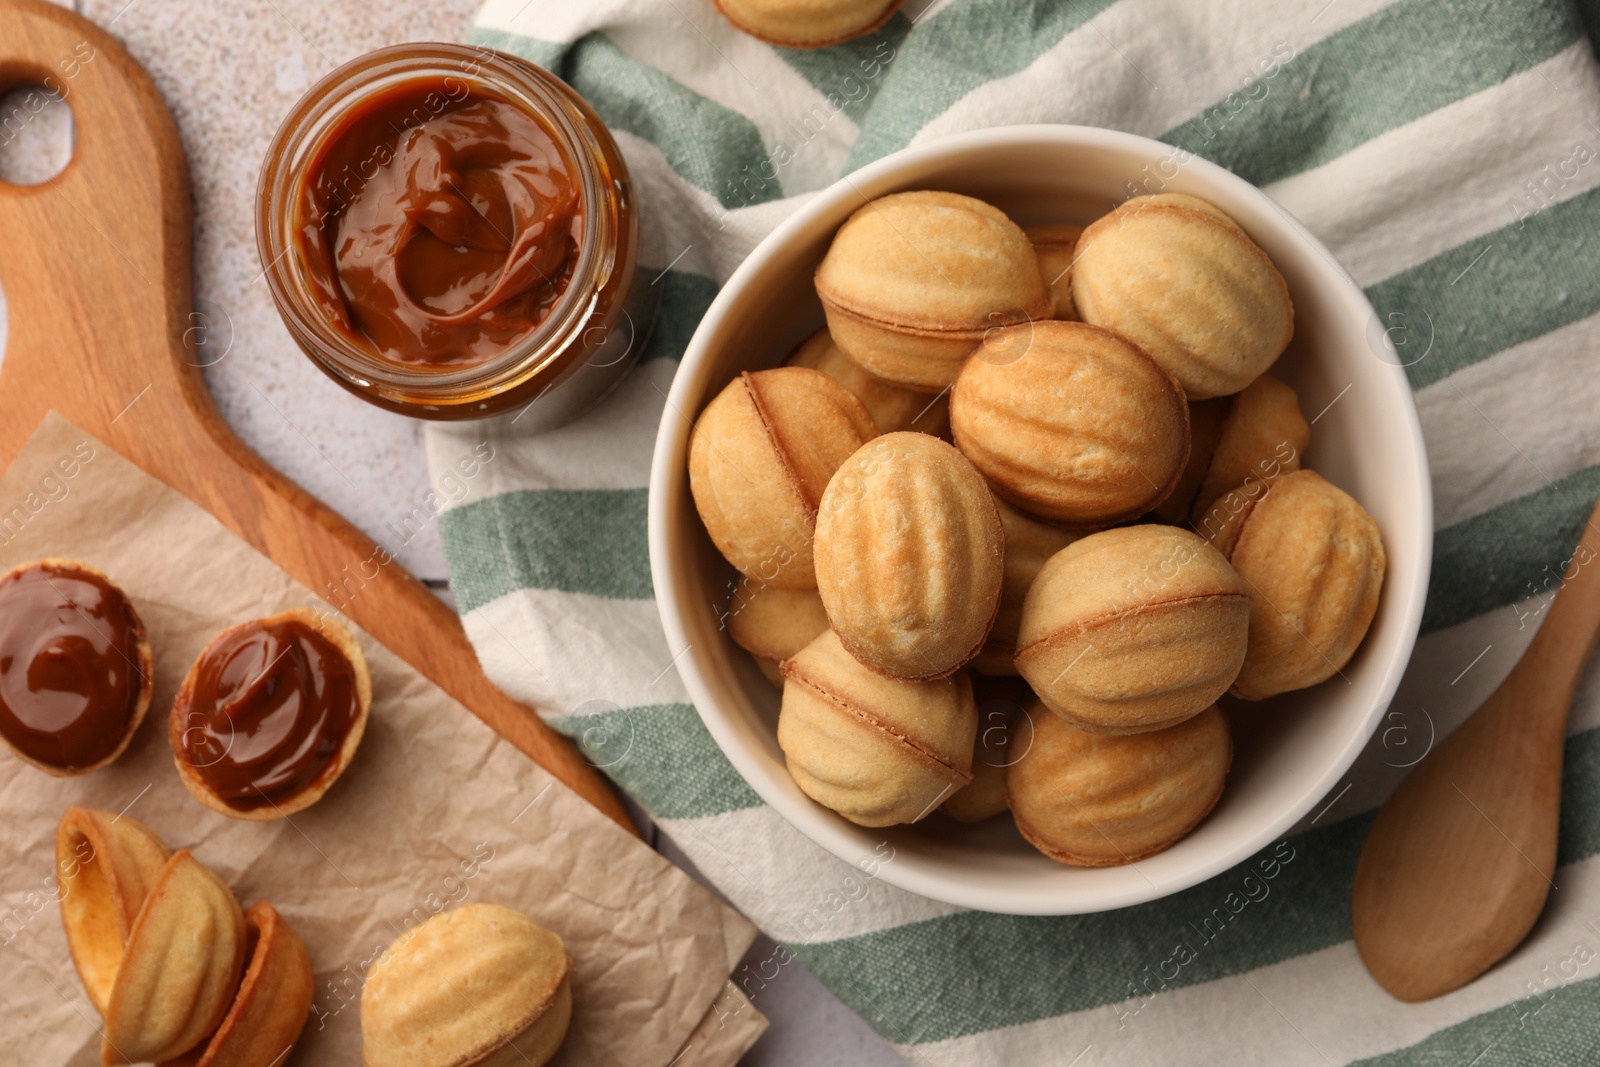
column 1405, row 133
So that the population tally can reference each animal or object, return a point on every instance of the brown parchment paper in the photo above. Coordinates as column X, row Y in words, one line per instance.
column 435, row 811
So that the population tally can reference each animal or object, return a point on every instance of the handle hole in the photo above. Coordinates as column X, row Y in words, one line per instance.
column 36, row 134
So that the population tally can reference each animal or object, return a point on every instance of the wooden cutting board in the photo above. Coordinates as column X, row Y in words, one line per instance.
column 96, row 265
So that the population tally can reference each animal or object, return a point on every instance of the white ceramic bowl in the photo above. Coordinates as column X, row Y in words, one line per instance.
column 1289, row 751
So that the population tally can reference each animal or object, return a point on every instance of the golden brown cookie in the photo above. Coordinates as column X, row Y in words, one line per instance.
column 910, row 556
column 1263, row 435
column 1314, row 561
column 274, row 999
column 760, row 455
column 106, row 866
column 1094, row 800
column 1029, row 542
column 876, row 750
column 180, row 968
column 1192, row 202
column 1133, row 629
column 270, row 715
column 1205, row 428
column 1071, row 422
column 807, row 23
column 1246, row 439
column 773, row 624
column 75, row 667
column 516, row 974
column 1225, row 518
column 912, row 281
column 1056, row 245
column 892, row 407
column 1005, row 732
column 1188, row 287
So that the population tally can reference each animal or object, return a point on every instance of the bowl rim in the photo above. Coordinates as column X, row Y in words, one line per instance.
column 829, row 830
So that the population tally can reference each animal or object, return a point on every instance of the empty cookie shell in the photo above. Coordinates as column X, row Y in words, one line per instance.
column 106, row 865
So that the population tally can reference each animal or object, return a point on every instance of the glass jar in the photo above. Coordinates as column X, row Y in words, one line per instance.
column 592, row 333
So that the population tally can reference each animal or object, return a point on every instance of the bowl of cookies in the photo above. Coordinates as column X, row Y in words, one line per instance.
column 1046, row 509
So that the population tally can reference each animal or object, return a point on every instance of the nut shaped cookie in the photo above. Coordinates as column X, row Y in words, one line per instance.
column 1315, row 559
column 1192, row 202
column 913, row 280
column 1029, row 543
column 1205, row 429
column 1246, row 439
column 1056, row 245
column 273, row 1001
column 1133, row 629
column 515, row 972
column 199, row 700
column 76, row 676
column 1225, row 518
column 876, row 750
column 773, row 624
column 1071, row 422
column 1187, row 286
column 760, row 455
column 892, row 407
column 180, row 968
column 106, row 867
column 807, row 23
column 1094, row 800
column 1002, row 723
column 910, row 556
column 1263, row 435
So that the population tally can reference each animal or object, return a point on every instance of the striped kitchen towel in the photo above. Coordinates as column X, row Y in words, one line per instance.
column 1447, row 152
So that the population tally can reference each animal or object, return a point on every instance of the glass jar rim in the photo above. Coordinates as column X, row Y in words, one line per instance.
column 549, row 346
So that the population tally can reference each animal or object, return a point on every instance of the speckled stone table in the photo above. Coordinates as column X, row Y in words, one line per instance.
column 230, row 70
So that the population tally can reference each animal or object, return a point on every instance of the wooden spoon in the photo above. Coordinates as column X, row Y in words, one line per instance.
column 1458, row 863
column 96, row 265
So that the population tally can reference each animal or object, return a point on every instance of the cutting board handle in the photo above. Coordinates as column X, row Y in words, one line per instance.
column 96, row 265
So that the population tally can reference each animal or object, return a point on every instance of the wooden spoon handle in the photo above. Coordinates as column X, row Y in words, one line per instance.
column 1554, row 660
column 96, row 269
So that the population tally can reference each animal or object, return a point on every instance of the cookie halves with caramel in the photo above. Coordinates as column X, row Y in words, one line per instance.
column 270, row 715
column 75, row 667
